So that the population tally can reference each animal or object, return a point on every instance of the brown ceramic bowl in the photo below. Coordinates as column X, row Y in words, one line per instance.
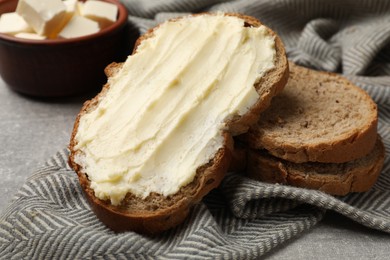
column 61, row 67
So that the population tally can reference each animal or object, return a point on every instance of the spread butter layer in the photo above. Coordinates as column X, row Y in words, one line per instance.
column 164, row 112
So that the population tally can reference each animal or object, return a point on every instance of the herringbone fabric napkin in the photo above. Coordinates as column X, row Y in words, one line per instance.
column 49, row 218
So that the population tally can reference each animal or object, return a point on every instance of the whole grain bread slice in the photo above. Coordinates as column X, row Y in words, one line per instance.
column 157, row 213
column 333, row 178
column 319, row 117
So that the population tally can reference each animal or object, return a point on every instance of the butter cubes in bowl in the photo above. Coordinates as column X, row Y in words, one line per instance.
column 58, row 19
column 61, row 50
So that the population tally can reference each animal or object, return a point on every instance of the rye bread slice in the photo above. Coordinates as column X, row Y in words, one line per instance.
column 157, row 213
column 333, row 178
column 319, row 117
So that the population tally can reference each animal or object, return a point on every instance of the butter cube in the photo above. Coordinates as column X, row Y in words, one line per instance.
column 31, row 36
column 79, row 26
column 47, row 17
column 72, row 6
column 102, row 12
column 13, row 23
column 71, row 9
column 80, row 8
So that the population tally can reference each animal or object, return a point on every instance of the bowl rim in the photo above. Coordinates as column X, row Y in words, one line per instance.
column 118, row 24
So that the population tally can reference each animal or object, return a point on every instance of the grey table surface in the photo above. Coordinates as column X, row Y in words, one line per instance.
column 32, row 130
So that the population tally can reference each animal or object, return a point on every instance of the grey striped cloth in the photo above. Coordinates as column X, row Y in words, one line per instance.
column 243, row 219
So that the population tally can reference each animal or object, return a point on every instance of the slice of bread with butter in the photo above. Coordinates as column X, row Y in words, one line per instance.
column 158, row 137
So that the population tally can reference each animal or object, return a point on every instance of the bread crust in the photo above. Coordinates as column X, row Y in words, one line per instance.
column 336, row 179
column 152, row 221
column 343, row 148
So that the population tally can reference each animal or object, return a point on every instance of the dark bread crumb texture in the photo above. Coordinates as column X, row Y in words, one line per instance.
column 319, row 116
column 319, row 133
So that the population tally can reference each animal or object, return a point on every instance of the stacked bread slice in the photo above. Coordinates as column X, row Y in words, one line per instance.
column 319, row 133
